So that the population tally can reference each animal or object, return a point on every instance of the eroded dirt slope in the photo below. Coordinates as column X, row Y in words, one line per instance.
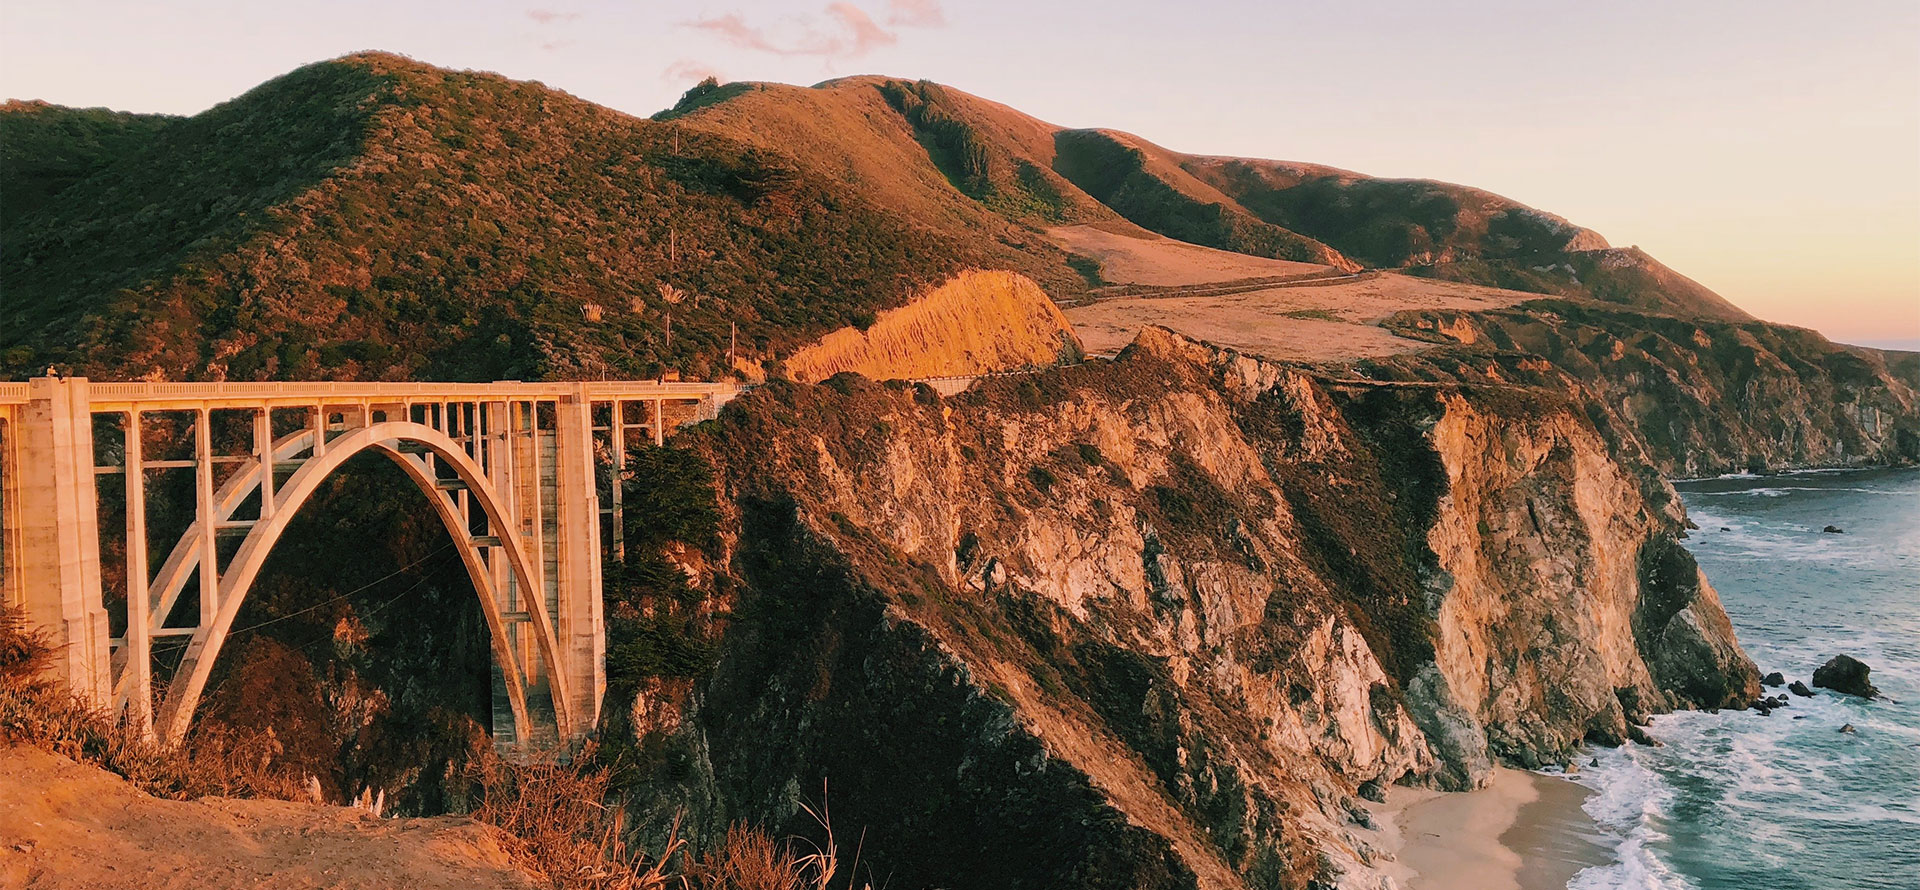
column 68, row 825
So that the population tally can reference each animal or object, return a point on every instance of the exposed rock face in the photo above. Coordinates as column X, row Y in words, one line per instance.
column 1154, row 622
column 975, row 323
column 1844, row 673
column 1709, row 396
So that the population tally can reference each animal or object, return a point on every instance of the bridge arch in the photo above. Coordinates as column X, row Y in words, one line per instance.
column 421, row 451
column 525, row 458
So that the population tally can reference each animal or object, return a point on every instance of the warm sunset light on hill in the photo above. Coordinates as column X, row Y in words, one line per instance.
column 1767, row 149
column 1042, row 445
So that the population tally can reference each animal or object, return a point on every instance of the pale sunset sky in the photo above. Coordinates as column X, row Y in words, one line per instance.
column 1769, row 150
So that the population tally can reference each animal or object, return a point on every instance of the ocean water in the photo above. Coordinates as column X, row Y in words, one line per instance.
column 1736, row 800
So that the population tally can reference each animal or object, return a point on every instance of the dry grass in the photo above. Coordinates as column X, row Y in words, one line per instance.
column 565, row 832
column 560, row 826
column 34, row 711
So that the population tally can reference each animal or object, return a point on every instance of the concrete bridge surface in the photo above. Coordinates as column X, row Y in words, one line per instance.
column 515, row 471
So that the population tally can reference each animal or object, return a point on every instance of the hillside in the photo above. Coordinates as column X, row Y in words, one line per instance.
column 378, row 218
column 48, row 148
column 374, row 217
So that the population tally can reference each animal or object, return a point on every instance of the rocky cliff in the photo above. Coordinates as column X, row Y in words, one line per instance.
column 1155, row 622
column 977, row 322
column 1710, row 396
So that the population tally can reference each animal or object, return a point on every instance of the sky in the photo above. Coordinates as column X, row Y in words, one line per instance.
column 1769, row 150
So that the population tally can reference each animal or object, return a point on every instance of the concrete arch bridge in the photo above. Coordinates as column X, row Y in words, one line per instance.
column 520, row 474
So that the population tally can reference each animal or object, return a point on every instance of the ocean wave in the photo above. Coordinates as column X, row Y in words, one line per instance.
column 1780, row 491
column 1629, row 802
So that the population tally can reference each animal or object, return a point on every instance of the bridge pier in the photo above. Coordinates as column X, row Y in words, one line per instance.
column 513, row 469
column 52, row 533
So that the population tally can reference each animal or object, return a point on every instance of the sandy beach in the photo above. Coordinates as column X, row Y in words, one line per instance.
column 1525, row 831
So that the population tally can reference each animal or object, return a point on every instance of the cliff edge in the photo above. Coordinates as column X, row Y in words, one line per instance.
column 1155, row 622
column 978, row 322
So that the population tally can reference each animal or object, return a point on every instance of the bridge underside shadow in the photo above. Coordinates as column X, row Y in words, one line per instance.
column 361, row 646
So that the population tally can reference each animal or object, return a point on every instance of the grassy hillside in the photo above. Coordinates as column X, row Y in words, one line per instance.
column 930, row 156
column 46, row 148
column 1623, row 275
column 1388, row 222
column 1455, row 232
column 373, row 217
column 1135, row 179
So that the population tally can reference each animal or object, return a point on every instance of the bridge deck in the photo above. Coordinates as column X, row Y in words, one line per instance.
column 162, row 396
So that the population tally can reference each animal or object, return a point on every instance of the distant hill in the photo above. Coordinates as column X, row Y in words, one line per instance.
column 376, row 217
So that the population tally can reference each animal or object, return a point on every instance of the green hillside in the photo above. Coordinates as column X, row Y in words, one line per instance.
column 377, row 218
column 373, row 217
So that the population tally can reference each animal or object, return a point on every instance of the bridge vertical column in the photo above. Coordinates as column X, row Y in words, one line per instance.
column 139, row 644
column 581, row 621
column 51, row 495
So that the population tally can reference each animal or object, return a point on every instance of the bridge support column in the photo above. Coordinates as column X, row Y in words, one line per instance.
column 51, row 513
column 581, row 625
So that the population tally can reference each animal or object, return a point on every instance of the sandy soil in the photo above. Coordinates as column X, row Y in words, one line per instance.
column 1524, row 832
column 1316, row 323
column 1155, row 259
column 64, row 824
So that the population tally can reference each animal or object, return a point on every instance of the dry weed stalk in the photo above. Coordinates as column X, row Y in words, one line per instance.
column 216, row 761
column 562, row 827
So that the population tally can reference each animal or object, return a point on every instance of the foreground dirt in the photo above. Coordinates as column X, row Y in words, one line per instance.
column 64, row 824
column 1321, row 322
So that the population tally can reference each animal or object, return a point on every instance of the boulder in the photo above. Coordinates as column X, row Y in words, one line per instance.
column 1372, row 790
column 1847, row 727
column 1834, row 530
column 1773, row 679
column 1847, row 674
column 1800, row 689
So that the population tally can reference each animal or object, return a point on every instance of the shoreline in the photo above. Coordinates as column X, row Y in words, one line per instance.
column 1524, row 831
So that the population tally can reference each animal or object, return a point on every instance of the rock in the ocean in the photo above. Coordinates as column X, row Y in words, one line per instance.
column 1594, row 762
column 1847, row 728
column 1774, row 679
column 1800, row 689
column 1834, row 530
column 1845, row 674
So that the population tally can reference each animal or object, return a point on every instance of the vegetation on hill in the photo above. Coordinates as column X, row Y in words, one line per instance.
column 1121, row 176
column 985, row 171
column 1622, row 275
column 1442, row 230
column 376, row 218
column 46, row 148
column 1706, row 396
column 1387, row 223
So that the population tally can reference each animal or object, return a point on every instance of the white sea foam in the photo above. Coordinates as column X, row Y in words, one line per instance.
column 1628, row 803
column 1781, row 491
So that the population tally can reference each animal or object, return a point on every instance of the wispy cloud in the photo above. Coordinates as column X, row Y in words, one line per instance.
column 915, row 13
column 550, row 17
column 841, row 31
column 689, row 70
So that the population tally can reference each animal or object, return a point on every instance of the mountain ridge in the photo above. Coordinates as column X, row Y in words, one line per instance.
column 335, row 221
